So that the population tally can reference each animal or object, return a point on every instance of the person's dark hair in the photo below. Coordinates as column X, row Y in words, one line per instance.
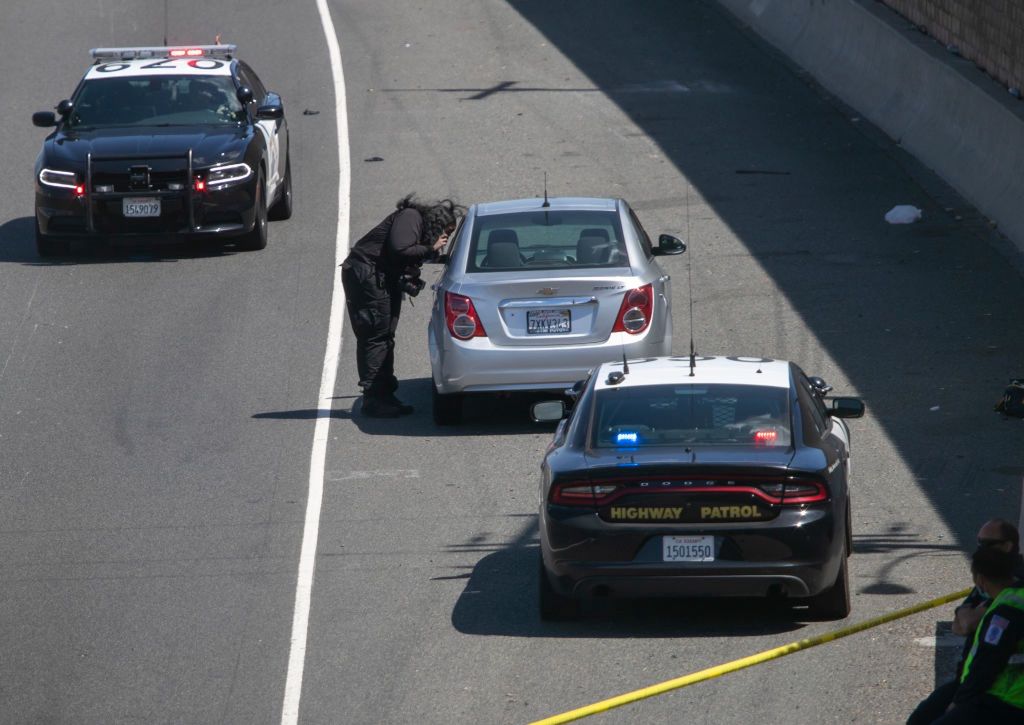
column 438, row 216
column 1008, row 532
column 994, row 564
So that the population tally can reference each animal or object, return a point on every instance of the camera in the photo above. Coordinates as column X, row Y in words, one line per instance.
column 411, row 283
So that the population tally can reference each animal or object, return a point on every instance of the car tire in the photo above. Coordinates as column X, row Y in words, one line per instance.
column 282, row 209
column 257, row 238
column 447, row 408
column 834, row 602
column 47, row 246
column 553, row 606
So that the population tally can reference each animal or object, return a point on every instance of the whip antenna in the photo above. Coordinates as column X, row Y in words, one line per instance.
column 165, row 23
column 689, row 279
column 546, row 202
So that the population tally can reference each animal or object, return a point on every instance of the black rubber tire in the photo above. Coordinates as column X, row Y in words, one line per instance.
column 282, row 208
column 834, row 602
column 257, row 238
column 447, row 408
column 47, row 246
column 553, row 607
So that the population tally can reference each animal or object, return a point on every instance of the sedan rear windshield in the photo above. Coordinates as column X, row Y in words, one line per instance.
column 547, row 240
column 162, row 101
column 673, row 415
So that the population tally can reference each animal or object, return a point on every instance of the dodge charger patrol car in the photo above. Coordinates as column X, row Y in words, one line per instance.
column 697, row 476
column 163, row 143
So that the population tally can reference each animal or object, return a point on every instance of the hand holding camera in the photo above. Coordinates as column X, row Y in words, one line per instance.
column 411, row 282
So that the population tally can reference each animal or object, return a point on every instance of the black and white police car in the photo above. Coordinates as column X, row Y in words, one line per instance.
column 161, row 144
column 703, row 477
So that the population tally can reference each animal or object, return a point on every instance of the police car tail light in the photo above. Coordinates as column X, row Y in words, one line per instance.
column 60, row 179
column 582, row 494
column 459, row 313
column 635, row 311
column 795, row 491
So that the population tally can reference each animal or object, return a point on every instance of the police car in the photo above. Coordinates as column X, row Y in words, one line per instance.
column 697, row 477
column 163, row 143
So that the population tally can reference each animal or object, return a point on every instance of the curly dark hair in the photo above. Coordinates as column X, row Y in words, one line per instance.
column 438, row 216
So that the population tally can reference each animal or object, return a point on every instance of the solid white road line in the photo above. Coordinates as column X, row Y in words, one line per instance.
column 311, row 530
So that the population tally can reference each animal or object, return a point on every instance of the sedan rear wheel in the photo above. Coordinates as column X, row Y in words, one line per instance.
column 554, row 606
column 834, row 602
column 283, row 208
column 447, row 408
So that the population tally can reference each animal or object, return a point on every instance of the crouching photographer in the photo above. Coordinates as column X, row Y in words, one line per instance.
column 380, row 269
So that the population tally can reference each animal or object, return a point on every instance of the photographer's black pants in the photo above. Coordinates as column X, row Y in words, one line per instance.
column 373, row 306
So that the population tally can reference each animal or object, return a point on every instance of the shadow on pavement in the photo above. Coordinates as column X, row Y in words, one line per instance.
column 18, row 246
column 483, row 415
column 500, row 598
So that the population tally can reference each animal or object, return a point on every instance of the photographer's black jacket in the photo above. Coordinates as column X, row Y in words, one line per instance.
column 394, row 244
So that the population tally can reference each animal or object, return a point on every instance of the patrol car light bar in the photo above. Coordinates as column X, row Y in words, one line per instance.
column 194, row 51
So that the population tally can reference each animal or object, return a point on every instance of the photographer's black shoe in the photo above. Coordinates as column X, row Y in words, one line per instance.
column 380, row 408
column 402, row 407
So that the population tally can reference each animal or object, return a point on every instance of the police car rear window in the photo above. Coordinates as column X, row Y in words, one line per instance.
column 157, row 101
column 547, row 240
column 674, row 415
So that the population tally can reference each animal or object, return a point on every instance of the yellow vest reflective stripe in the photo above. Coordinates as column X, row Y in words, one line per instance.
column 1009, row 684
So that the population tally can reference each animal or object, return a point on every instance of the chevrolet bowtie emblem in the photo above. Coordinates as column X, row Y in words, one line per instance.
column 546, row 291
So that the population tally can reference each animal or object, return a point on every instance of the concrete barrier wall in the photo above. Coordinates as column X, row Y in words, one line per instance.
column 942, row 109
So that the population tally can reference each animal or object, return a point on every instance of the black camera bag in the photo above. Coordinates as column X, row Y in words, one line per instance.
column 1012, row 402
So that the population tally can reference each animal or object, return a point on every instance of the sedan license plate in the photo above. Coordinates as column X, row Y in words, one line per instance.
column 135, row 207
column 548, row 322
column 688, row 548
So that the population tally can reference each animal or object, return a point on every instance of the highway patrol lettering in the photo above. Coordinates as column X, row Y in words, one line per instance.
column 648, row 513
column 730, row 512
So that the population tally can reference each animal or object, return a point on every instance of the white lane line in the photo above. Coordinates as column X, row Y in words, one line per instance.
column 311, row 530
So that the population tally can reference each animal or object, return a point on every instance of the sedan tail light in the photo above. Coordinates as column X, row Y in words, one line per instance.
column 786, row 492
column 580, row 493
column 460, row 315
column 636, row 310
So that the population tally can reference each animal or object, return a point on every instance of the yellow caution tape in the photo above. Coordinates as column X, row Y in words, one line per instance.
column 718, row 671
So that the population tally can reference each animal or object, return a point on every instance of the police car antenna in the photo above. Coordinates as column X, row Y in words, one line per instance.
column 165, row 23
column 546, row 202
column 689, row 280
column 625, row 365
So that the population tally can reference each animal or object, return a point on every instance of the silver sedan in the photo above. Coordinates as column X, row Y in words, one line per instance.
column 536, row 292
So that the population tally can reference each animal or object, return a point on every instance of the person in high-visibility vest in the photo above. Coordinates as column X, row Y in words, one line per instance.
column 997, row 534
column 991, row 687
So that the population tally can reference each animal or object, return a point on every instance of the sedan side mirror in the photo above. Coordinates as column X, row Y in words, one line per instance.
column 271, row 109
column 846, row 408
column 668, row 244
column 44, row 119
column 547, row 411
column 65, row 107
column 244, row 95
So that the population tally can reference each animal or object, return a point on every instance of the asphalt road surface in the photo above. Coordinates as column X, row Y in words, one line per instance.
column 157, row 406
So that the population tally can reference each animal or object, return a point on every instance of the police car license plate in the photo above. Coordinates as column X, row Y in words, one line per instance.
column 688, row 548
column 548, row 322
column 136, row 206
